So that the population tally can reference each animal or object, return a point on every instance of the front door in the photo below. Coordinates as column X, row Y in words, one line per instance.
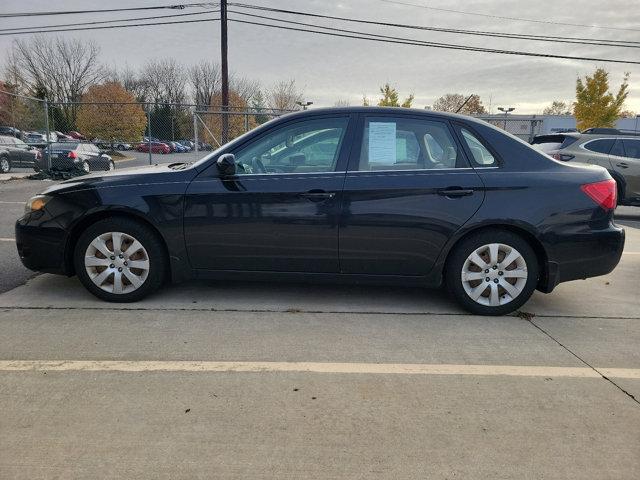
column 280, row 212
column 408, row 189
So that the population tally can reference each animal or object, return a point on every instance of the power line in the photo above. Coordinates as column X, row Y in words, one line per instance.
column 543, row 38
column 408, row 41
column 73, row 12
column 116, row 26
column 76, row 24
column 500, row 17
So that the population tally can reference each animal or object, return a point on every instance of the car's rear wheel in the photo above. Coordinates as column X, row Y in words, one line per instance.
column 86, row 167
column 120, row 260
column 111, row 165
column 5, row 165
column 492, row 272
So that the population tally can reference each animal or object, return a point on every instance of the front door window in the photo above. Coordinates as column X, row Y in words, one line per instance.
column 310, row 146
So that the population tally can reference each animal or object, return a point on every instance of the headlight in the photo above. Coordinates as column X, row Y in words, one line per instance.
column 36, row 203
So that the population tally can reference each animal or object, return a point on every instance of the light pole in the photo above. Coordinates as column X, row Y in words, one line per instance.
column 506, row 111
column 636, row 128
column 304, row 105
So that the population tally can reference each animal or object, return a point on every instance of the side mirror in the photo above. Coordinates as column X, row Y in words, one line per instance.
column 226, row 164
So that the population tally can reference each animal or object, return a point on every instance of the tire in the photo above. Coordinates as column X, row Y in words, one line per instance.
column 85, row 167
column 120, row 147
column 521, row 273
column 5, row 165
column 110, row 166
column 150, row 256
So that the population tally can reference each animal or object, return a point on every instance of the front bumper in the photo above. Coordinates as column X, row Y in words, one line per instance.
column 41, row 243
column 583, row 255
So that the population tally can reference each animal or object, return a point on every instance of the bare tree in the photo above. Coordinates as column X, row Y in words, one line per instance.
column 455, row 102
column 342, row 102
column 133, row 82
column 59, row 69
column 245, row 87
column 204, row 80
column 284, row 95
column 165, row 81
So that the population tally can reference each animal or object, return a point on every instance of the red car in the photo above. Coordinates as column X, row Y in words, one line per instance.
column 76, row 135
column 156, row 147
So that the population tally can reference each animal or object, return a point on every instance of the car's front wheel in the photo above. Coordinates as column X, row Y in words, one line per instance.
column 492, row 272
column 120, row 260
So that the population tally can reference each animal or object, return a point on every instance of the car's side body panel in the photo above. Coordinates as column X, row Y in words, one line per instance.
column 527, row 192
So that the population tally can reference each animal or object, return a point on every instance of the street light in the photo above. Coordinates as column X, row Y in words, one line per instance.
column 506, row 111
column 304, row 105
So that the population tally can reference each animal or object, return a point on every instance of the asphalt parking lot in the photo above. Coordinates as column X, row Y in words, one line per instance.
column 224, row 380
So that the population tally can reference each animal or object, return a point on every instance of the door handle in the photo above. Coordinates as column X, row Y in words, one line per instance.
column 455, row 192
column 318, row 195
column 622, row 165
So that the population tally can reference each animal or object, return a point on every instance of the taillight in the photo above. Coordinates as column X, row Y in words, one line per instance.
column 604, row 193
column 562, row 157
column 72, row 154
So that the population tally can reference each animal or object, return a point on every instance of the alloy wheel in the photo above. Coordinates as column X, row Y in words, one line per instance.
column 117, row 263
column 86, row 167
column 4, row 165
column 494, row 274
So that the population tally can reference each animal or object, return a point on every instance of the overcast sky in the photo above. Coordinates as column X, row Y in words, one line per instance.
column 329, row 69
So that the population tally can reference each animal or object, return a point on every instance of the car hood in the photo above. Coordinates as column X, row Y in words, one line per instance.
column 128, row 176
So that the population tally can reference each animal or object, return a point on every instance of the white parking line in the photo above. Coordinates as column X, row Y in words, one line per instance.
column 6, row 239
column 631, row 253
column 11, row 203
column 311, row 367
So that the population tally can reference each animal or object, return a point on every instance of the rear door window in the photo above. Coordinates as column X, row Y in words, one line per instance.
column 603, row 145
column 395, row 143
column 631, row 148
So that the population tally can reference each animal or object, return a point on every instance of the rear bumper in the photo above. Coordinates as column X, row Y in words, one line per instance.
column 41, row 243
column 588, row 254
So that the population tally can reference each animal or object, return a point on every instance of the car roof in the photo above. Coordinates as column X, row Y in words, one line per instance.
column 383, row 111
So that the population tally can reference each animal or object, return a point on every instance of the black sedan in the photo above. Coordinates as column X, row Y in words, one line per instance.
column 75, row 156
column 15, row 153
column 378, row 195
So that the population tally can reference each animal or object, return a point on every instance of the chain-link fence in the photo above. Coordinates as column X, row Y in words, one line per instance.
column 524, row 128
column 75, row 137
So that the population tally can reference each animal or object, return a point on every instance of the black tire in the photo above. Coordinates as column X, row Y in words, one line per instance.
column 110, row 166
column 5, row 164
column 459, row 255
column 147, row 237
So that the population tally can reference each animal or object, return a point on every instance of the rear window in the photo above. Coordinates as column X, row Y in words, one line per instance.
column 64, row 146
column 603, row 145
column 568, row 141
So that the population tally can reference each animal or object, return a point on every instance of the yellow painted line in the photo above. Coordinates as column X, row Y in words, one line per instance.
column 7, row 239
column 310, row 367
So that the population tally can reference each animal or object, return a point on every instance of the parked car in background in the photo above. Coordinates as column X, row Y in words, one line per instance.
column 62, row 137
column 187, row 143
column 204, row 146
column 11, row 131
column 39, row 139
column 156, row 147
column 618, row 152
column 66, row 156
column 15, row 153
column 387, row 195
column 76, row 135
column 177, row 147
column 122, row 146
column 549, row 143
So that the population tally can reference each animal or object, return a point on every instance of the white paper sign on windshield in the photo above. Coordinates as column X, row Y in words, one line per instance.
column 382, row 142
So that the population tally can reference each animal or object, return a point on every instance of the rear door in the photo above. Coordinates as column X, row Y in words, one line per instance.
column 597, row 151
column 625, row 159
column 409, row 187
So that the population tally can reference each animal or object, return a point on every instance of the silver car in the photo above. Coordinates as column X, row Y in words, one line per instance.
column 618, row 153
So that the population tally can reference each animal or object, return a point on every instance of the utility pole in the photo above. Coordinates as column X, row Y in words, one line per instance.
column 225, row 72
